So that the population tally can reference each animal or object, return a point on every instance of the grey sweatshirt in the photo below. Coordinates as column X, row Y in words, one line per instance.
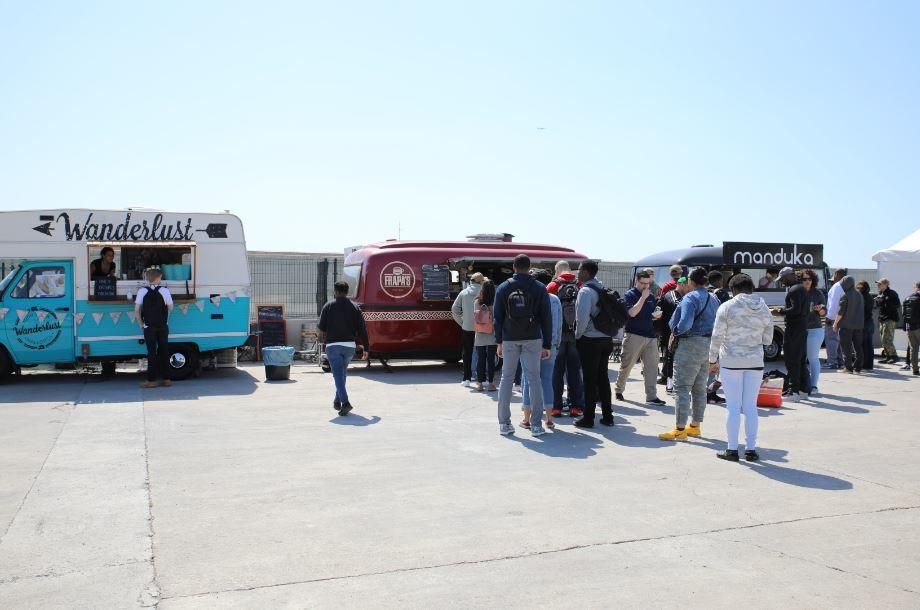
column 464, row 307
column 851, row 306
column 743, row 327
column 586, row 307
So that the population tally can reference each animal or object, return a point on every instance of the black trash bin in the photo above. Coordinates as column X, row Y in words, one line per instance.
column 278, row 361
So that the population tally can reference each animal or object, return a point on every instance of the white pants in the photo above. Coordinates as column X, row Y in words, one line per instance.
column 741, row 390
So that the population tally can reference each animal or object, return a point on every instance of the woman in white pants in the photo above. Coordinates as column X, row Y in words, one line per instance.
column 743, row 327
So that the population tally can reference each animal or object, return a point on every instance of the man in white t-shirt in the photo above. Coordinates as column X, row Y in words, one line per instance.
column 152, row 306
column 831, row 336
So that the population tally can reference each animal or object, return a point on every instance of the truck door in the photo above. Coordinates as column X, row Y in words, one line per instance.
column 39, row 321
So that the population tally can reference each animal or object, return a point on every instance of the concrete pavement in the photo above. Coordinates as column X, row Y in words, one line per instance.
column 227, row 491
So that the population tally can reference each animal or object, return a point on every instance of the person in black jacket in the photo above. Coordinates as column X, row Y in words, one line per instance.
column 796, row 335
column 912, row 326
column 869, row 327
column 340, row 323
column 889, row 307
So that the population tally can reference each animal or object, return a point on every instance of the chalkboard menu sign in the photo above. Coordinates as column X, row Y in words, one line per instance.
column 435, row 283
column 105, row 288
column 270, row 312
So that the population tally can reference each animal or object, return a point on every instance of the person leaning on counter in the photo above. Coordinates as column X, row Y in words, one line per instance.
column 104, row 266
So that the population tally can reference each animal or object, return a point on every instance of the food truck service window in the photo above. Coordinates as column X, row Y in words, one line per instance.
column 177, row 261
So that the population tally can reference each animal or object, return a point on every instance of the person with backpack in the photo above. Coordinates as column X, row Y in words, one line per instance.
column 691, row 328
column 151, row 309
column 462, row 312
column 567, row 367
column 599, row 315
column 912, row 326
column 484, row 324
column 546, row 366
column 524, row 333
column 640, row 340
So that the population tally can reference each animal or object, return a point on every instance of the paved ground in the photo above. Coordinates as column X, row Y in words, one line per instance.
column 231, row 492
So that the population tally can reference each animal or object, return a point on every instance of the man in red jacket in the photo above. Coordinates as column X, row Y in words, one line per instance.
column 565, row 285
column 676, row 272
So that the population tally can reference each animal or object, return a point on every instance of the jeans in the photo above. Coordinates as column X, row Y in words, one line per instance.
column 157, row 342
column 794, row 342
column 851, row 341
column 741, row 390
column 595, row 356
column 813, row 352
column 868, row 349
column 913, row 338
column 691, row 371
column 635, row 347
column 527, row 353
column 567, row 367
column 339, row 356
column 546, row 380
column 485, row 363
column 887, row 332
column 832, row 346
column 469, row 338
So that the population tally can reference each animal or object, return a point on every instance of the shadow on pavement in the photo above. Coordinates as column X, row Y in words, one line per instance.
column 840, row 408
column 409, row 374
column 799, row 478
column 354, row 420
column 561, row 444
column 853, row 399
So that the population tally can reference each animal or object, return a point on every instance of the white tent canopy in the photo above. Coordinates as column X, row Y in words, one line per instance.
column 906, row 250
column 901, row 265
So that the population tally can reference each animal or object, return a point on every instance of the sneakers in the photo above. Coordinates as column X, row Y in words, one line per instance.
column 916, row 373
column 149, row 384
column 655, row 401
column 537, row 431
column 692, row 430
column 674, row 435
column 620, row 396
column 662, row 381
column 465, row 383
column 506, row 429
column 714, row 399
column 607, row 420
column 517, row 388
column 336, row 404
column 751, row 456
column 477, row 387
column 906, row 366
column 575, row 412
column 583, row 423
column 346, row 408
column 165, row 383
column 557, row 412
column 729, row 455
column 791, row 396
column 492, row 388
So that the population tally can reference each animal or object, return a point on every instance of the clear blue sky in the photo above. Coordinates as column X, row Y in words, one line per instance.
column 327, row 124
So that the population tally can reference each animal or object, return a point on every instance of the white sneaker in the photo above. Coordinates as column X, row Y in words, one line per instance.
column 792, row 397
column 537, row 431
column 506, row 429
column 465, row 383
column 517, row 388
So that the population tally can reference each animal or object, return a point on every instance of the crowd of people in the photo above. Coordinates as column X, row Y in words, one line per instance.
column 693, row 335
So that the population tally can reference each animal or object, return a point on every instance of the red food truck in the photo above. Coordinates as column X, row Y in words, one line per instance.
column 406, row 288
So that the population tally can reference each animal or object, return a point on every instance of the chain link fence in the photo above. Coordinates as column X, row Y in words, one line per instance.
column 300, row 282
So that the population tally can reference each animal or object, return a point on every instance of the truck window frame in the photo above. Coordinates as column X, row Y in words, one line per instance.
column 31, row 272
column 94, row 250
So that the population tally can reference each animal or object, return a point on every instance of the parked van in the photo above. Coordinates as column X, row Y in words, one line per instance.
column 405, row 289
column 753, row 258
column 53, row 312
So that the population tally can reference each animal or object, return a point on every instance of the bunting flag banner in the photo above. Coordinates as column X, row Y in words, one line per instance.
column 116, row 317
column 22, row 314
column 132, row 316
column 232, row 296
column 215, row 300
column 3, row 312
column 199, row 305
column 183, row 307
column 97, row 316
column 78, row 318
column 61, row 316
column 41, row 315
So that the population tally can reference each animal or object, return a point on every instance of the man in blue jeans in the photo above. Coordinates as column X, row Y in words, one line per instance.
column 340, row 323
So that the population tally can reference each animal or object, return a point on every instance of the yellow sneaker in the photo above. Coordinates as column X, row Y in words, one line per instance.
column 674, row 435
column 692, row 430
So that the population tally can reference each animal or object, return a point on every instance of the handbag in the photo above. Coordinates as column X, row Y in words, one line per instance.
column 675, row 339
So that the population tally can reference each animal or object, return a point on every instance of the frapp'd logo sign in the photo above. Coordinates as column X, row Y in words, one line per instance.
column 397, row 280
column 158, row 228
column 752, row 254
column 38, row 330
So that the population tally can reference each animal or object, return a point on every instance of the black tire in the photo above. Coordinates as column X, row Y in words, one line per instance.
column 6, row 366
column 774, row 351
column 183, row 361
column 108, row 369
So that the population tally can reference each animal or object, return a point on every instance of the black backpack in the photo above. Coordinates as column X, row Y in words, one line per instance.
column 613, row 311
column 521, row 323
column 568, row 294
column 154, row 313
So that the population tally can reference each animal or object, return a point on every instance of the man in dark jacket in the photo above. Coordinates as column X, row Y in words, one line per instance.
column 889, row 307
column 851, row 319
column 869, row 325
column 340, row 323
column 796, row 335
column 912, row 325
column 524, row 332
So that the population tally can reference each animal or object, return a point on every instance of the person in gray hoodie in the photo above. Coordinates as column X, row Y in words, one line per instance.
column 463, row 310
column 744, row 325
column 850, row 322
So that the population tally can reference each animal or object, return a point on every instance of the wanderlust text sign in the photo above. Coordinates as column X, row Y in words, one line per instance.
column 158, row 228
column 756, row 254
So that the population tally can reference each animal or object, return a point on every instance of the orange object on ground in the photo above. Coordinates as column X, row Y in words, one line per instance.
column 770, row 397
